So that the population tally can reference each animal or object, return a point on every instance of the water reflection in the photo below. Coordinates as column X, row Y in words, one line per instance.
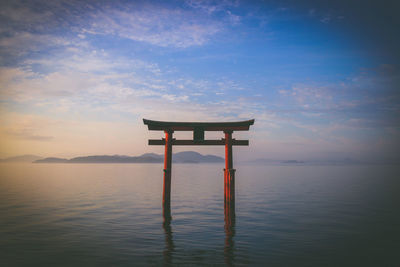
column 230, row 219
column 169, row 243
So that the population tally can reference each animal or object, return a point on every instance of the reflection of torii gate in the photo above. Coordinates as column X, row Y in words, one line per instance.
column 198, row 129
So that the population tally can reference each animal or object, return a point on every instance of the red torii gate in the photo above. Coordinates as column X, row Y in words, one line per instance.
column 198, row 129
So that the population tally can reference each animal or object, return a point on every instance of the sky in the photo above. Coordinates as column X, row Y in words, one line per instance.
column 320, row 79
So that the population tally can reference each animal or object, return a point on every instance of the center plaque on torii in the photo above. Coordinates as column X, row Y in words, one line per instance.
column 198, row 129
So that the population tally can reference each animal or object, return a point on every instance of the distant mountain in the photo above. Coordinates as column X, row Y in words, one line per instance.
column 114, row 159
column 180, row 157
column 153, row 155
column 264, row 161
column 51, row 160
column 194, row 157
column 292, row 161
column 344, row 161
column 23, row 158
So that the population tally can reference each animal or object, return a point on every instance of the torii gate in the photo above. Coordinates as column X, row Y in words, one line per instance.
column 198, row 129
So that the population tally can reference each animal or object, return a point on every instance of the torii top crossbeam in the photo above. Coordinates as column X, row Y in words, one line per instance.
column 205, row 126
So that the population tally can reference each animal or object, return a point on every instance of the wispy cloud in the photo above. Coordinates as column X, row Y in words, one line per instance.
column 26, row 134
column 25, row 127
column 157, row 26
column 211, row 6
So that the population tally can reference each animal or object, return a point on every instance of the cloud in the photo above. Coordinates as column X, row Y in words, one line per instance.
column 20, row 44
column 24, row 16
column 210, row 6
column 25, row 134
column 99, row 84
column 326, row 19
column 311, row 94
column 220, row 7
column 166, row 26
column 158, row 26
column 26, row 127
column 358, row 92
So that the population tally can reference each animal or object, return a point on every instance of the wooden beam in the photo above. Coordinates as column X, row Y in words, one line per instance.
column 221, row 142
column 205, row 126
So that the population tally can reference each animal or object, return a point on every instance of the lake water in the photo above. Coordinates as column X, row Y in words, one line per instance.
column 111, row 214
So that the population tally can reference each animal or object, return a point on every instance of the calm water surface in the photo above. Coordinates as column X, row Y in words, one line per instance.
column 110, row 214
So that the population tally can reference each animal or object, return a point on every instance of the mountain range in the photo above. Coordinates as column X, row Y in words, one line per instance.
column 184, row 157
column 180, row 157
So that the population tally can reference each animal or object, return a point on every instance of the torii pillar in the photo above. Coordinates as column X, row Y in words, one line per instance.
column 167, row 176
column 229, row 175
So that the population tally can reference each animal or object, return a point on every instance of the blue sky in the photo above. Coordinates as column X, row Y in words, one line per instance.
column 77, row 77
